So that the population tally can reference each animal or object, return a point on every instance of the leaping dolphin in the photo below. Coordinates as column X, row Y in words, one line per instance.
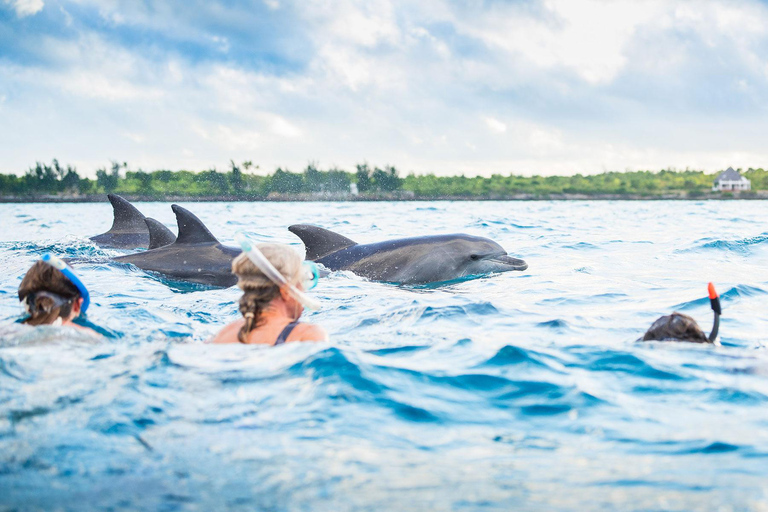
column 418, row 260
column 128, row 231
column 195, row 256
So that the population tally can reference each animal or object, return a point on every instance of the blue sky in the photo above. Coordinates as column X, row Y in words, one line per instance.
column 472, row 86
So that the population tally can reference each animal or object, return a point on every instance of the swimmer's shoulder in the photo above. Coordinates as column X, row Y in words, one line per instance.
column 302, row 332
column 308, row 332
column 229, row 333
column 83, row 329
column 88, row 330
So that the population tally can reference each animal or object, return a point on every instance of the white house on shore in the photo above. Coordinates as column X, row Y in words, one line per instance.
column 731, row 180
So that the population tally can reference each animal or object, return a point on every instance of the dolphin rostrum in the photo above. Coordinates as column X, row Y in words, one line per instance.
column 418, row 260
column 128, row 231
column 195, row 256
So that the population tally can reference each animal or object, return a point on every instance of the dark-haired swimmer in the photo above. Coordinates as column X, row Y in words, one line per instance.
column 680, row 327
column 274, row 279
column 53, row 295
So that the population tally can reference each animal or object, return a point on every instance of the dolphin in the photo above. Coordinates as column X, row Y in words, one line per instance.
column 128, row 231
column 159, row 235
column 196, row 255
column 418, row 260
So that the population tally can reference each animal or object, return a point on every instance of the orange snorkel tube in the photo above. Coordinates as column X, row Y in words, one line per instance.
column 714, row 301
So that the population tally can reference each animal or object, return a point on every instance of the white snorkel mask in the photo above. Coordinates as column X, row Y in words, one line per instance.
column 263, row 264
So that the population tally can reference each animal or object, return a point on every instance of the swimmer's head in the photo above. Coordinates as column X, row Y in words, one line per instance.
column 676, row 327
column 260, row 290
column 680, row 327
column 47, row 295
column 282, row 257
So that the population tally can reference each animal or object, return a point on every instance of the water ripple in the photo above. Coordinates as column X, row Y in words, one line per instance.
column 519, row 391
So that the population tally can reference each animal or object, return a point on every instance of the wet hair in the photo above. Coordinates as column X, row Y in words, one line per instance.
column 47, row 294
column 259, row 290
column 676, row 327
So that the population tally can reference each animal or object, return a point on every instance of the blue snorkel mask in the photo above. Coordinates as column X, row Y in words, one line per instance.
column 311, row 274
column 65, row 269
column 309, row 277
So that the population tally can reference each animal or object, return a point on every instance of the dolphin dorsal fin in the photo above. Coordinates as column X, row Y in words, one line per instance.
column 191, row 229
column 159, row 235
column 126, row 216
column 320, row 242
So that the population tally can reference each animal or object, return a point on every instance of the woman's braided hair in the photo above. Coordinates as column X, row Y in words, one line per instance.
column 259, row 290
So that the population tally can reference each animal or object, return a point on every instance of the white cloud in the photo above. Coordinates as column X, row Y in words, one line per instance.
column 347, row 66
column 546, row 141
column 495, row 125
column 442, row 49
column 221, row 43
column 92, row 68
column 26, row 7
column 584, row 36
column 67, row 17
column 135, row 137
column 228, row 138
column 565, row 88
column 94, row 84
column 283, row 128
column 365, row 24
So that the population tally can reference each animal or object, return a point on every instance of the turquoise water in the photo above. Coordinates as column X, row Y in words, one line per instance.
column 521, row 391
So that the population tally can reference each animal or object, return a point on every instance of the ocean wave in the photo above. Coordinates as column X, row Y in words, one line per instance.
column 741, row 246
column 69, row 247
column 457, row 312
column 511, row 355
column 729, row 296
column 494, row 393
column 629, row 364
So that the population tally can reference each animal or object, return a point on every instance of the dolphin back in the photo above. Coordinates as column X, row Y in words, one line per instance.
column 159, row 235
column 320, row 242
column 127, row 218
column 191, row 229
column 128, row 229
column 196, row 256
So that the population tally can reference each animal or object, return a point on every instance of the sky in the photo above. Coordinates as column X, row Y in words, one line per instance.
column 431, row 86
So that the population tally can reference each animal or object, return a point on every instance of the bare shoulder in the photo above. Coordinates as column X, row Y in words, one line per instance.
column 90, row 331
column 308, row 332
column 83, row 328
column 229, row 333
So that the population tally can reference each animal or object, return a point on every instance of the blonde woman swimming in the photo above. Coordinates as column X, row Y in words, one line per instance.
column 273, row 279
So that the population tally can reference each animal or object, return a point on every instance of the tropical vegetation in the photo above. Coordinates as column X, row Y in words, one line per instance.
column 244, row 181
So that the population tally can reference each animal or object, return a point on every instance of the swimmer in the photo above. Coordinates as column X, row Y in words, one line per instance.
column 680, row 327
column 53, row 295
column 274, row 279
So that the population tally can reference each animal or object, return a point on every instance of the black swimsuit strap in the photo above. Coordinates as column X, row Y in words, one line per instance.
column 285, row 333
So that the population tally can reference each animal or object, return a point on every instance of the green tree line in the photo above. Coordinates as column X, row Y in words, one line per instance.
column 239, row 182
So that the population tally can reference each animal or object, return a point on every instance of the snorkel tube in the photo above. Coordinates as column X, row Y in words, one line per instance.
column 263, row 264
column 65, row 269
column 714, row 301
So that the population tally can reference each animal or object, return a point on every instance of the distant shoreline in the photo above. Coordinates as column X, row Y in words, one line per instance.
column 100, row 198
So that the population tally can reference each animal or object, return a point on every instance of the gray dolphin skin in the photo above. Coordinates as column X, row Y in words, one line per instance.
column 128, row 229
column 196, row 255
column 159, row 235
column 418, row 260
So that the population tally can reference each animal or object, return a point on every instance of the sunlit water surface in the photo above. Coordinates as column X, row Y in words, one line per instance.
column 525, row 390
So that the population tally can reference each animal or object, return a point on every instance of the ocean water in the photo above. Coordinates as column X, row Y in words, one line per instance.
column 524, row 391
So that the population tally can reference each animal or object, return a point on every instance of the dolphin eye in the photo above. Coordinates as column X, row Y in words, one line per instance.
column 474, row 257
